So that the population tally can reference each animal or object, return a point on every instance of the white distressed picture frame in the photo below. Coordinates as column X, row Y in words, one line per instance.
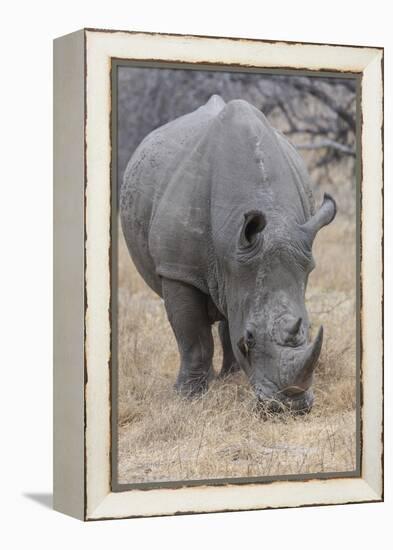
column 82, row 207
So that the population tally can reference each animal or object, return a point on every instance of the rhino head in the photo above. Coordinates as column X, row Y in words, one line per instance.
column 268, row 320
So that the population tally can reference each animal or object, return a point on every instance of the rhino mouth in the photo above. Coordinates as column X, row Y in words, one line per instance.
column 272, row 400
column 280, row 402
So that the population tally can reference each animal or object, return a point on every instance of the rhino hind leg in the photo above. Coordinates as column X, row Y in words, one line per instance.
column 229, row 363
column 187, row 312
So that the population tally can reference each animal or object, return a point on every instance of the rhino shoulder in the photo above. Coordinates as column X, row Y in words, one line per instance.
column 160, row 146
column 239, row 112
column 214, row 105
column 189, row 123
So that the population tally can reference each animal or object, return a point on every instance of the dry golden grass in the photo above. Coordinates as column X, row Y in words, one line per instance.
column 164, row 437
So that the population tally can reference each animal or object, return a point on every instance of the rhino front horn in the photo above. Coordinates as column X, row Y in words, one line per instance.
column 309, row 361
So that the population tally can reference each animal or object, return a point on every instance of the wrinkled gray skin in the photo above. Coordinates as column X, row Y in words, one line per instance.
column 218, row 217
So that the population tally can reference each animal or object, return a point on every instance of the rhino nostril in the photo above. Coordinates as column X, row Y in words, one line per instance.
column 292, row 332
column 245, row 343
column 294, row 328
column 250, row 338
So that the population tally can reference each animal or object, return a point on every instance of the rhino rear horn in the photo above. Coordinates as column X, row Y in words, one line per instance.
column 323, row 216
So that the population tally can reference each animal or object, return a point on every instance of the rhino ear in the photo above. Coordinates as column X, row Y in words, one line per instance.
column 323, row 216
column 254, row 223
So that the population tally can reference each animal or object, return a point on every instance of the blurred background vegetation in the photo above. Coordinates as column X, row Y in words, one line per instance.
column 318, row 114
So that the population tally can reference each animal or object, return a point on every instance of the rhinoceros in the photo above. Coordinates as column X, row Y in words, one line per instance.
column 218, row 216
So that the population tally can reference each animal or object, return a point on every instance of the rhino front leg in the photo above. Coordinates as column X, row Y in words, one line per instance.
column 186, row 308
column 229, row 363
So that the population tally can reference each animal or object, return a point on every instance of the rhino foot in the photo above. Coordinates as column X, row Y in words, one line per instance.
column 187, row 312
column 193, row 386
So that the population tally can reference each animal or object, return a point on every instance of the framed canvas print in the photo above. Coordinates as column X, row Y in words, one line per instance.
column 218, row 274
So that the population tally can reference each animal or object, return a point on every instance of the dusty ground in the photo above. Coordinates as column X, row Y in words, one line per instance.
column 163, row 437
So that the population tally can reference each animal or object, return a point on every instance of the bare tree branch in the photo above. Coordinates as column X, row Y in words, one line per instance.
column 319, row 114
column 327, row 144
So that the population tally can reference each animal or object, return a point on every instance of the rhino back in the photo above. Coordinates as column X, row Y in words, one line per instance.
column 150, row 212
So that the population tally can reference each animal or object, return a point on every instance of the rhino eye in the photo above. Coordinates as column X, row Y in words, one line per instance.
column 254, row 223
